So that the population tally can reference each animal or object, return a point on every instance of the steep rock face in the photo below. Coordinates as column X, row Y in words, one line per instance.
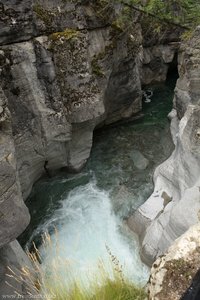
column 14, row 261
column 60, row 86
column 156, row 62
column 39, row 126
column 174, row 206
column 14, row 216
column 172, row 274
column 161, row 42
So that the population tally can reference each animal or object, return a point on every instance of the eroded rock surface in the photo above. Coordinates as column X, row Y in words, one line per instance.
column 156, row 61
column 14, row 216
column 174, row 206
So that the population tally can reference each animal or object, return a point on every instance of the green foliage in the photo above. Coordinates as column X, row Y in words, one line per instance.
column 58, row 39
column 67, row 34
column 100, row 286
column 109, row 290
column 183, row 12
column 187, row 35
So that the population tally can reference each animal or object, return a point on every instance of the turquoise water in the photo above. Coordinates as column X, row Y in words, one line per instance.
column 89, row 209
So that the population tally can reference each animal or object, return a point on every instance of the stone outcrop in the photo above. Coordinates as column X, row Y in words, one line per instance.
column 156, row 61
column 16, row 273
column 172, row 274
column 39, row 125
column 175, row 203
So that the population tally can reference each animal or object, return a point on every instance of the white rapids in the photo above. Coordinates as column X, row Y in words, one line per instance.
column 85, row 227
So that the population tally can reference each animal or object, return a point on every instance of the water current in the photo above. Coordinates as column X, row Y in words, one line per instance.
column 89, row 209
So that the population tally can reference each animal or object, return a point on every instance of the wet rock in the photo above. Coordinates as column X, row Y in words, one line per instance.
column 139, row 160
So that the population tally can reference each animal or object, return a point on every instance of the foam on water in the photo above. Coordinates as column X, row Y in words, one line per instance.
column 85, row 225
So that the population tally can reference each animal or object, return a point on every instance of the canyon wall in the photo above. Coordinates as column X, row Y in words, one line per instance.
column 175, row 203
column 65, row 68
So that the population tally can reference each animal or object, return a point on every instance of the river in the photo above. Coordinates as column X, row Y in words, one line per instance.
column 86, row 213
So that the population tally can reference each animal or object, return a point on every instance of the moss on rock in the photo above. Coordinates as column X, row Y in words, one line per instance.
column 67, row 34
column 43, row 14
column 96, row 69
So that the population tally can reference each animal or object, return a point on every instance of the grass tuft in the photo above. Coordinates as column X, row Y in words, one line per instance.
column 57, row 281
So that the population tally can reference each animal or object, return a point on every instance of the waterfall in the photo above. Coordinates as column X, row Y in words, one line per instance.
column 86, row 227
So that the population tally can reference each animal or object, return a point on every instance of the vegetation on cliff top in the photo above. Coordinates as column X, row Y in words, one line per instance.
column 181, row 12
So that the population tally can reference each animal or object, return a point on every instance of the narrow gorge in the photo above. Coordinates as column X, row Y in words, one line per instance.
column 87, row 94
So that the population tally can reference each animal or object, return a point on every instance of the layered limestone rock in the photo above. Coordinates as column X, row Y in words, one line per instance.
column 39, row 125
column 172, row 274
column 175, row 203
column 61, row 66
column 14, row 215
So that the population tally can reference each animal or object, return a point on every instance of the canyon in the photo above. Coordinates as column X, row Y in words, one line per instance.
column 69, row 68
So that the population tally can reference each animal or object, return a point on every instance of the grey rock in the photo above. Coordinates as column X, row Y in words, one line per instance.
column 14, row 216
column 156, row 62
column 39, row 125
column 12, row 262
column 63, row 90
column 139, row 160
column 169, row 278
column 80, row 145
column 178, row 177
column 16, row 22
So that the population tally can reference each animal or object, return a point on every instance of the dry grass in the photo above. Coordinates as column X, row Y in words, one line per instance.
column 57, row 282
